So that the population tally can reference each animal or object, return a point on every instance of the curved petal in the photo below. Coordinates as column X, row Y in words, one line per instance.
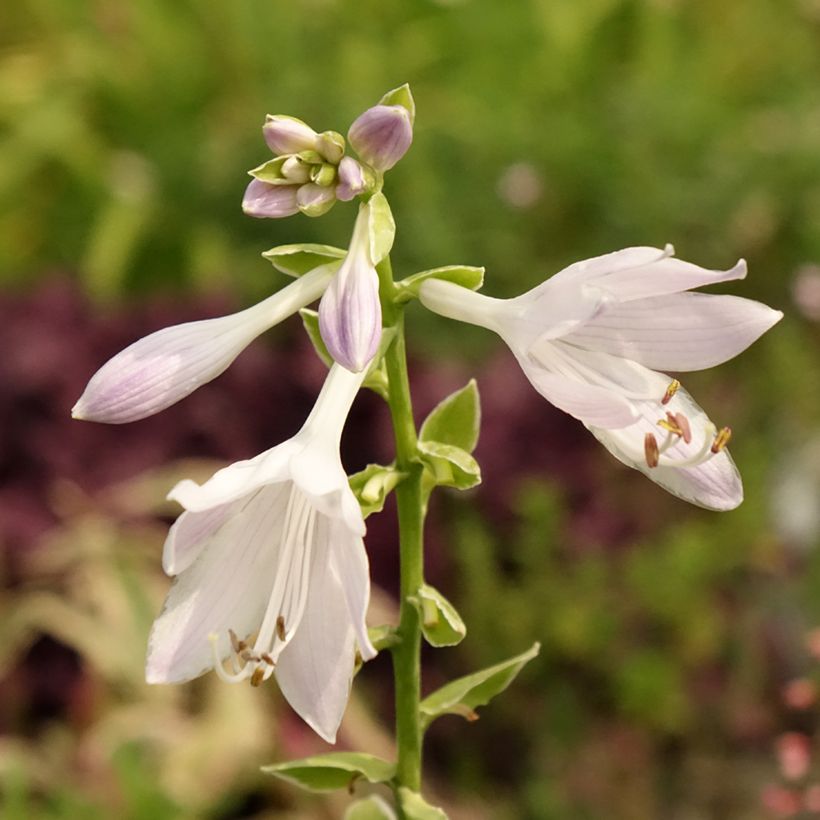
column 587, row 402
column 349, row 561
column 681, row 332
column 188, row 536
column 714, row 484
column 609, row 263
column 236, row 480
column 315, row 669
column 226, row 587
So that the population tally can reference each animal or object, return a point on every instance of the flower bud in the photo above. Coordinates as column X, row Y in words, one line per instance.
column 264, row 200
column 295, row 170
column 350, row 317
column 382, row 135
column 287, row 135
column 315, row 200
column 331, row 145
column 351, row 179
column 324, row 174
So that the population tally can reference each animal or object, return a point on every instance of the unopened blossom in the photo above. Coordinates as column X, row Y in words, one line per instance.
column 593, row 338
column 271, row 571
column 164, row 367
column 350, row 316
column 382, row 135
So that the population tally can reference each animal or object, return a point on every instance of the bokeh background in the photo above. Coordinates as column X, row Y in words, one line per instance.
column 679, row 659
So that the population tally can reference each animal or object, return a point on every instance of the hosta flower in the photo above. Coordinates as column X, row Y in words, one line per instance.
column 271, row 571
column 592, row 339
column 350, row 314
column 382, row 135
column 164, row 367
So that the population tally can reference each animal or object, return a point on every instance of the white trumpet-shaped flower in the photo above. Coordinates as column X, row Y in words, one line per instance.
column 165, row 366
column 592, row 338
column 271, row 571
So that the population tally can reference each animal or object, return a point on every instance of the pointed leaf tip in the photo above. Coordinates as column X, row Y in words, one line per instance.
column 336, row 770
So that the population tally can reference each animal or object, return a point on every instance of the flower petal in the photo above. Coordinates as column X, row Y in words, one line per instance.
column 188, row 536
column 681, row 332
column 714, row 484
column 226, row 587
column 263, row 200
column 315, row 669
column 349, row 561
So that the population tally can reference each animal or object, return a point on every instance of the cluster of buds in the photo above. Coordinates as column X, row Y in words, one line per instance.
column 310, row 170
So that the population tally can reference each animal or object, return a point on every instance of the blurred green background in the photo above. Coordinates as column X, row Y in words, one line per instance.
column 547, row 131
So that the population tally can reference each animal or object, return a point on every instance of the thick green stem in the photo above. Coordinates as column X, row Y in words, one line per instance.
column 406, row 654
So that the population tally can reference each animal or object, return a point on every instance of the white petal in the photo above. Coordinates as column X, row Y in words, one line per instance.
column 684, row 331
column 587, row 402
column 227, row 587
column 315, row 669
column 237, row 480
column 609, row 263
column 715, row 484
column 188, row 536
column 349, row 560
column 164, row 367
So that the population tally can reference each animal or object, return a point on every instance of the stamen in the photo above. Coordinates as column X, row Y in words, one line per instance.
column 237, row 645
column 280, row 628
column 258, row 676
column 651, row 450
column 267, row 658
column 670, row 423
column 721, row 439
column 229, row 677
column 673, row 388
column 685, row 428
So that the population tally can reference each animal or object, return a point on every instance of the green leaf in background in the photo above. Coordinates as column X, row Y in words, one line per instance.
column 403, row 97
column 310, row 320
column 381, row 226
column 337, row 770
column 372, row 485
column 374, row 807
column 415, row 807
column 440, row 622
column 455, row 420
column 449, row 466
column 296, row 260
column 463, row 695
column 464, row 275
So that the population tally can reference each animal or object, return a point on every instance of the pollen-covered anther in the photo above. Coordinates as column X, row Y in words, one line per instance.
column 267, row 659
column 673, row 388
column 237, row 644
column 721, row 439
column 651, row 450
column 258, row 676
column 280, row 628
column 670, row 424
column 685, row 427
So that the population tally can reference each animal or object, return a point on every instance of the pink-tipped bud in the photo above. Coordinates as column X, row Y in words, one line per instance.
column 287, row 135
column 382, row 135
column 264, row 200
column 351, row 179
column 350, row 314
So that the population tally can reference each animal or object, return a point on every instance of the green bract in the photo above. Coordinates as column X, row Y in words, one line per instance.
column 372, row 485
column 337, row 770
column 465, row 276
column 296, row 260
column 441, row 624
column 463, row 695
column 403, row 97
column 415, row 807
column 382, row 228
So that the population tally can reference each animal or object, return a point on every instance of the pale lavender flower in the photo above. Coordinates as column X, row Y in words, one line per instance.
column 164, row 367
column 288, row 135
column 267, row 201
column 351, row 179
column 350, row 316
column 382, row 135
column 592, row 338
column 271, row 571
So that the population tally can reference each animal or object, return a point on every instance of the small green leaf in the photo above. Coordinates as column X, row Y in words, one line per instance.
column 381, row 226
column 415, row 807
column 455, row 420
column 463, row 695
column 449, row 465
column 296, row 260
column 440, row 622
column 463, row 275
column 372, row 485
column 374, row 807
column 383, row 636
column 337, row 770
column 310, row 320
column 403, row 97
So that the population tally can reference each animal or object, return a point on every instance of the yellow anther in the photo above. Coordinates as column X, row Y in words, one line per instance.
column 651, row 450
column 673, row 388
column 721, row 439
